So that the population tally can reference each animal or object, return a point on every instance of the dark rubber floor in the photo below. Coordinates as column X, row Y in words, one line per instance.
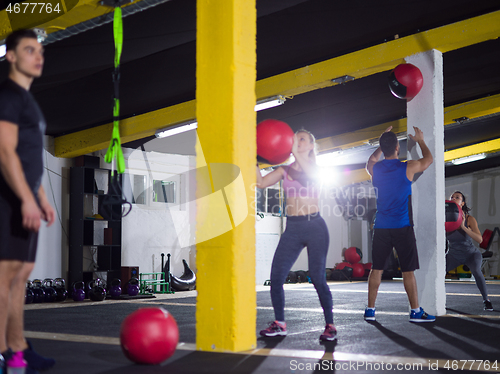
column 466, row 333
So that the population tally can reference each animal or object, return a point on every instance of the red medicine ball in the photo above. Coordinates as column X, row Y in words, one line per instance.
column 406, row 81
column 358, row 270
column 342, row 265
column 454, row 216
column 274, row 141
column 353, row 255
column 149, row 336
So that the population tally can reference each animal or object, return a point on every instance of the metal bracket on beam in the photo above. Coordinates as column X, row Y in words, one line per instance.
column 461, row 120
column 114, row 3
column 343, row 79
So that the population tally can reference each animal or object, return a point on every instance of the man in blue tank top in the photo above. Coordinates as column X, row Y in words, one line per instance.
column 394, row 223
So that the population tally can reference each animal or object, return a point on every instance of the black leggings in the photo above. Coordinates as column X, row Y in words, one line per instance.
column 302, row 231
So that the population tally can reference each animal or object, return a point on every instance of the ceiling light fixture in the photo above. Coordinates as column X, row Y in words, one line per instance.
column 269, row 102
column 41, row 34
column 3, row 50
column 180, row 128
column 464, row 160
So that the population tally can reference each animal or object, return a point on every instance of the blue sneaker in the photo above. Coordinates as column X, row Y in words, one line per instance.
column 370, row 314
column 421, row 316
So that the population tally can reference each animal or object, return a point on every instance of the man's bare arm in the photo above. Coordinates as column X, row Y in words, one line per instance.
column 12, row 171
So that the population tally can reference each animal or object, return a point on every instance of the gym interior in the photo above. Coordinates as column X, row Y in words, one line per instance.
column 194, row 211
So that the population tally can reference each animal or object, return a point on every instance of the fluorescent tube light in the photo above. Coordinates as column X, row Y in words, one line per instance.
column 3, row 50
column 464, row 160
column 176, row 130
column 269, row 102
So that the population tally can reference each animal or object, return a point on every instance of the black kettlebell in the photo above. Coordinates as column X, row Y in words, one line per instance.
column 38, row 293
column 28, row 297
column 60, row 287
column 50, row 292
column 97, row 292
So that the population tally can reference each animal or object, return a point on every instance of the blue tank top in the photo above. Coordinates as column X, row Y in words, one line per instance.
column 393, row 189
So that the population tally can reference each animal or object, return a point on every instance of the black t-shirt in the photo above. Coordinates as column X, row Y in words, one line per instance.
column 19, row 107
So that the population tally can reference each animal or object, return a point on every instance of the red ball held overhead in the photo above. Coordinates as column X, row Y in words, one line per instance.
column 453, row 215
column 274, row 141
column 406, row 81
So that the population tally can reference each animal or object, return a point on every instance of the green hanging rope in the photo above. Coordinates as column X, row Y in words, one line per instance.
column 115, row 145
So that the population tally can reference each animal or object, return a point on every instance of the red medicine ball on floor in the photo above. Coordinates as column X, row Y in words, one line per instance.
column 453, row 215
column 342, row 265
column 406, row 81
column 149, row 336
column 274, row 141
column 353, row 255
column 358, row 270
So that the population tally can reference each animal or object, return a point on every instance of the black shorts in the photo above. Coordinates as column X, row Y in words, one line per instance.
column 16, row 243
column 403, row 240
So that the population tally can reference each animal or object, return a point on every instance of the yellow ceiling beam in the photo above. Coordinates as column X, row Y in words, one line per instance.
column 358, row 64
column 360, row 175
column 53, row 18
column 381, row 57
column 359, row 137
column 133, row 128
column 484, row 147
column 471, row 109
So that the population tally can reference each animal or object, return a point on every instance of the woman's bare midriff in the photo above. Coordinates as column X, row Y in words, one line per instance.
column 301, row 206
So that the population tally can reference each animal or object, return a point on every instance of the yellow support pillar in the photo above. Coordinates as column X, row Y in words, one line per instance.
column 225, row 95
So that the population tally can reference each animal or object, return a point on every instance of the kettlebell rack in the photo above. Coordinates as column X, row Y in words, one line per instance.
column 154, row 283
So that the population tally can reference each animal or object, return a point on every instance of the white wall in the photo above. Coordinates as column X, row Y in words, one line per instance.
column 482, row 192
column 146, row 232
column 52, row 254
column 149, row 229
column 269, row 228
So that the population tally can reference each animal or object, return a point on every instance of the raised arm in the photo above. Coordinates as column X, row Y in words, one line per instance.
column 375, row 157
column 418, row 166
column 269, row 179
column 372, row 160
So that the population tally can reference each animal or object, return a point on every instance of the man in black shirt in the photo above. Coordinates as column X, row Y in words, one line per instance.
column 23, row 203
